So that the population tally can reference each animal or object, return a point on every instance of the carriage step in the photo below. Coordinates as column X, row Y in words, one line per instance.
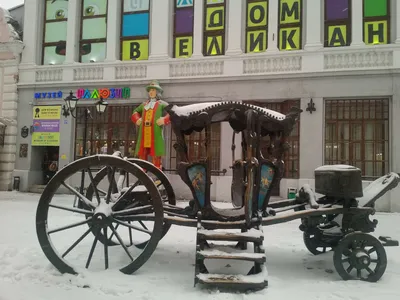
column 217, row 254
column 235, row 282
column 388, row 242
column 253, row 235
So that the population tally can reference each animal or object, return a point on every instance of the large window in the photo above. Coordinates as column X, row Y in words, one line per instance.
column 93, row 31
column 55, row 32
column 337, row 23
column 107, row 132
column 290, row 24
column 376, row 22
column 197, row 148
column 183, row 28
column 135, row 30
column 214, row 27
column 291, row 157
column 357, row 133
column 256, row 25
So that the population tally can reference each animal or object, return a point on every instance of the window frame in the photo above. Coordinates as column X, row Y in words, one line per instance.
column 347, row 22
column 213, row 32
column 51, row 44
column 91, row 41
column 250, row 29
column 360, row 104
column 178, row 35
column 371, row 19
column 115, row 116
column 289, row 25
column 138, row 37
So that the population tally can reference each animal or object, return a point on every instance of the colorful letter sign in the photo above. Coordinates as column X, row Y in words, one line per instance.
column 183, row 28
column 49, row 95
column 376, row 19
column 214, row 28
column 46, row 126
column 105, row 93
column 256, row 26
column 135, row 30
column 337, row 23
column 290, row 19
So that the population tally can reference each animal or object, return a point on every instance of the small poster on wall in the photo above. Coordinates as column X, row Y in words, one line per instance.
column 46, row 125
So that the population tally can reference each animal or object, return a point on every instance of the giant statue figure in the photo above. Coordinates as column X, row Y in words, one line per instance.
column 149, row 118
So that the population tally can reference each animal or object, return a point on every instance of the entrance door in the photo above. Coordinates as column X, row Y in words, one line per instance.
column 50, row 162
column 291, row 157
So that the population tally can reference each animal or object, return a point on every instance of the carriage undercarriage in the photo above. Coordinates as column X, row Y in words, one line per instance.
column 126, row 193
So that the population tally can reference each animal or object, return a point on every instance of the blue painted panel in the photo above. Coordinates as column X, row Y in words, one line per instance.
column 135, row 24
column 267, row 175
column 197, row 176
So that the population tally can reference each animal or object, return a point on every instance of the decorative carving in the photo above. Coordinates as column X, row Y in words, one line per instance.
column 49, row 75
column 360, row 59
column 198, row 68
column 131, row 71
column 23, row 150
column 88, row 73
column 272, row 64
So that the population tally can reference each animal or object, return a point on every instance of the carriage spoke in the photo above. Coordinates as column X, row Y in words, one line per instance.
column 121, row 242
column 358, row 273
column 348, row 270
column 80, row 196
column 70, row 226
column 141, row 223
column 371, row 250
column 133, row 227
column 137, row 210
column 130, row 234
column 345, row 260
column 76, row 242
column 93, row 247
column 375, row 260
column 130, row 189
column 370, row 271
column 110, row 188
column 112, row 234
column 105, row 249
column 96, row 192
column 75, row 210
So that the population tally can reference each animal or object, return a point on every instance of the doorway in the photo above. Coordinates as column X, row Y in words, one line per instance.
column 50, row 162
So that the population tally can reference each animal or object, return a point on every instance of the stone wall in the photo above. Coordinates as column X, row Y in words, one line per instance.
column 10, row 52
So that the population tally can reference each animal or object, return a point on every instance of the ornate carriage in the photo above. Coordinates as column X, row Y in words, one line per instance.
column 126, row 190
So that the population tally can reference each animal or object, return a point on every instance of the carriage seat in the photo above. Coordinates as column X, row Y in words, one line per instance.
column 371, row 193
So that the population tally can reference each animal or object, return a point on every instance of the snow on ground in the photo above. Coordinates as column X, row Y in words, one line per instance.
column 25, row 273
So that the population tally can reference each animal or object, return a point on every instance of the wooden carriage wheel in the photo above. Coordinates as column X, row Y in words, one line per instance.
column 160, row 179
column 99, row 216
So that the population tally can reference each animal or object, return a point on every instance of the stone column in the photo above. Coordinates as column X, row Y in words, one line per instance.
column 357, row 23
column 33, row 19
column 73, row 30
column 234, row 28
column 160, row 34
column 198, row 29
column 397, row 20
column 273, row 26
column 113, row 30
column 314, row 24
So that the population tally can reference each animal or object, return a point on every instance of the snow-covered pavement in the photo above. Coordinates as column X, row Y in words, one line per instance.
column 26, row 274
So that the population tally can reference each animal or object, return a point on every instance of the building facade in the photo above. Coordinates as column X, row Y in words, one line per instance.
column 338, row 60
column 10, row 52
